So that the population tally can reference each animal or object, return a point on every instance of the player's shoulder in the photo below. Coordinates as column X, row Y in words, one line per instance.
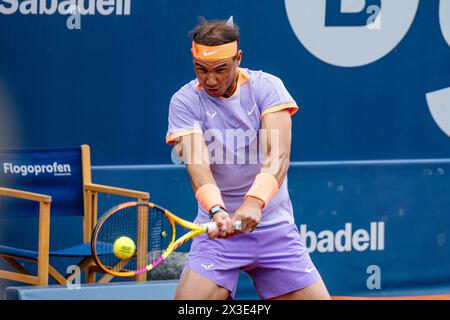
column 185, row 95
column 261, row 80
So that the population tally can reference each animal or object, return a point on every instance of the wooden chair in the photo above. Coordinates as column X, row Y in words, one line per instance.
column 47, row 183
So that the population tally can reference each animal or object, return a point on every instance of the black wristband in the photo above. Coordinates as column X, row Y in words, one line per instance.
column 216, row 209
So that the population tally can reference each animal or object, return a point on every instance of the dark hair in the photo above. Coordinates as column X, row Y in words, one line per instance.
column 214, row 33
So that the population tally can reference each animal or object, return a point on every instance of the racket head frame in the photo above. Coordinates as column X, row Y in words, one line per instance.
column 173, row 245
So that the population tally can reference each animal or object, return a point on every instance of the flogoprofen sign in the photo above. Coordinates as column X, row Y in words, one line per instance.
column 54, row 168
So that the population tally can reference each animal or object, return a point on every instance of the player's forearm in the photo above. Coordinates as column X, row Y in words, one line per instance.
column 277, row 145
column 205, row 189
column 200, row 174
column 277, row 166
column 194, row 153
column 275, row 137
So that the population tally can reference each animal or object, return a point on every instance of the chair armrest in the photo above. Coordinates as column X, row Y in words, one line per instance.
column 117, row 191
column 25, row 195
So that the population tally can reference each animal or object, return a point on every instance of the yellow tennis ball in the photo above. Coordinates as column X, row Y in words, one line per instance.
column 124, row 248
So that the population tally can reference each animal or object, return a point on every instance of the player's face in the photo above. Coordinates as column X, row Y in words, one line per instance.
column 218, row 78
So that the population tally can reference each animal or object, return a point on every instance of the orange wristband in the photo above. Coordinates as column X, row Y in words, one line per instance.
column 209, row 196
column 264, row 188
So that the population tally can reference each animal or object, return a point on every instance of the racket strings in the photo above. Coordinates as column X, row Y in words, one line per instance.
column 148, row 228
column 160, row 234
column 120, row 224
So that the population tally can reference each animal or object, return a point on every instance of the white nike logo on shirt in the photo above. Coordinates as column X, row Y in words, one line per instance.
column 251, row 111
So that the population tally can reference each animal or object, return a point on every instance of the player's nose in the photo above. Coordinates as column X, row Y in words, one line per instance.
column 211, row 81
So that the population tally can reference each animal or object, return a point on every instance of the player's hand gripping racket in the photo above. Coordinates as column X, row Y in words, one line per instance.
column 132, row 238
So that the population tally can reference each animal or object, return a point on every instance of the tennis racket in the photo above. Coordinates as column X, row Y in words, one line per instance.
column 135, row 237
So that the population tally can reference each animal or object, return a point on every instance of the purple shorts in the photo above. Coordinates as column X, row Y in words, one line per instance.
column 273, row 257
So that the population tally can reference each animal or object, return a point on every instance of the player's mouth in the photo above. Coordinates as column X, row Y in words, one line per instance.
column 213, row 91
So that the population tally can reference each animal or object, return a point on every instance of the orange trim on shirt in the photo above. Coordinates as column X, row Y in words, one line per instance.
column 243, row 78
column 170, row 139
column 244, row 75
column 292, row 106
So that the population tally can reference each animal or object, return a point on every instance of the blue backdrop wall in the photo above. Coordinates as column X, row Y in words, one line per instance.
column 372, row 79
column 108, row 84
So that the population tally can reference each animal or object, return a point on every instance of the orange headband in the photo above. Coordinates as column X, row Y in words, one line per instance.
column 214, row 53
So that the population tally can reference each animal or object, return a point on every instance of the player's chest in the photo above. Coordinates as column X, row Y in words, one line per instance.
column 238, row 113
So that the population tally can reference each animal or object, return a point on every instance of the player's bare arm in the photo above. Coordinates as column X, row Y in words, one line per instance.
column 276, row 143
column 194, row 153
column 276, row 135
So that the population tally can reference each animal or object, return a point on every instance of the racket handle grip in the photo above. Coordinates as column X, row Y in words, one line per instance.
column 212, row 226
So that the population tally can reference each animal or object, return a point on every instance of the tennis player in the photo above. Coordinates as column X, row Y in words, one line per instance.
column 225, row 104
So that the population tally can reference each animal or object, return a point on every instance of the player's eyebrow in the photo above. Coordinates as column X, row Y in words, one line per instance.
column 221, row 65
